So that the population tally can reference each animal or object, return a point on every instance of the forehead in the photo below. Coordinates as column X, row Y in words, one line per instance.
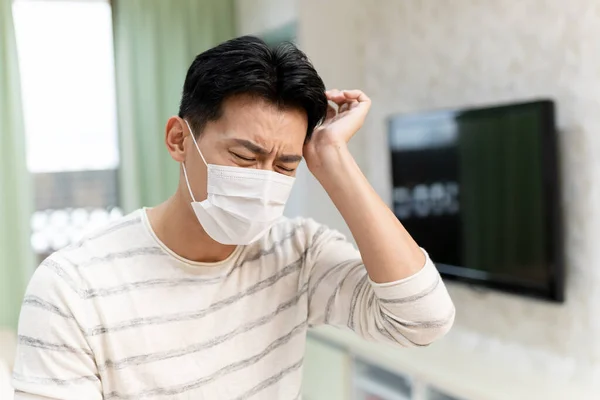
column 262, row 122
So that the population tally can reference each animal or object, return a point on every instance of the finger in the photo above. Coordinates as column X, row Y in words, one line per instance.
column 357, row 95
column 334, row 93
column 336, row 96
column 338, row 101
column 348, row 105
column 331, row 112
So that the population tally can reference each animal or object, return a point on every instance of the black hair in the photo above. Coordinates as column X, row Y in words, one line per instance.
column 281, row 75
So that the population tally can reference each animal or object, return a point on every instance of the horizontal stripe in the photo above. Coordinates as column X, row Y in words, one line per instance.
column 110, row 229
column 86, row 294
column 328, row 308
column 414, row 297
column 164, row 319
column 387, row 334
column 434, row 323
column 60, row 271
column 40, row 344
column 186, row 387
column 372, row 298
column 141, row 251
column 195, row 348
column 159, row 282
column 271, row 381
column 264, row 252
column 322, row 229
column 37, row 302
column 54, row 381
column 150, row 283
column 153, row 250
column 398, row 332
column 354, row 303
column 329, row 271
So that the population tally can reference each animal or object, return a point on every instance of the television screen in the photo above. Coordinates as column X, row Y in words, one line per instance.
column 479, row 190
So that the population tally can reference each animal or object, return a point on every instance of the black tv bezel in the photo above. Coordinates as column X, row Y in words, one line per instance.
column 554, row 288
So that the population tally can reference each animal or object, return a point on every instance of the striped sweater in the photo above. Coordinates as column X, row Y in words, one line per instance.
column 120, row 316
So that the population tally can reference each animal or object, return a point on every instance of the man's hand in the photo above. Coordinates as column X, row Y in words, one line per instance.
column 388, row 251
column 338, row 128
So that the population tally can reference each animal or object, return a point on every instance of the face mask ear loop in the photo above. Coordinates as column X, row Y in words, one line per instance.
column 187, row 181
column 196, row 143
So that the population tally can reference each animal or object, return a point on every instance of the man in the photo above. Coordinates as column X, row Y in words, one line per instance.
column 210, row 294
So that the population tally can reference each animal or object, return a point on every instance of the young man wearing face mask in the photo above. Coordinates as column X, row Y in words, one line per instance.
column 210, row 294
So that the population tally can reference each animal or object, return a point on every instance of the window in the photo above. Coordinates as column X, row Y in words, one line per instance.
column 66, row 61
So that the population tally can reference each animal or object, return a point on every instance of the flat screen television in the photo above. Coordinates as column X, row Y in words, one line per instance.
column 479, row 190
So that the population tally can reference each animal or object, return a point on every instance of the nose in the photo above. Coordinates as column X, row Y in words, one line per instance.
column 267, row 164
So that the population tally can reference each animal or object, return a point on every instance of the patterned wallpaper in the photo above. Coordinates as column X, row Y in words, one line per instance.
column 428, row 54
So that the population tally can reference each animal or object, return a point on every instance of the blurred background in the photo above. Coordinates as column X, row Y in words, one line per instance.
column 86, row 87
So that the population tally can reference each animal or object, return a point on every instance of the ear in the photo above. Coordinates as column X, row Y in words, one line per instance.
column 176, row 132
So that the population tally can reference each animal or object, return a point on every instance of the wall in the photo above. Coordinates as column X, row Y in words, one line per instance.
column 424, row 54
column 257, row 16
column 469, row 52
column 332, row 35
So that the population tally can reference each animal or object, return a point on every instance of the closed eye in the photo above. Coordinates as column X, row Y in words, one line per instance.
column 242, row 157
column 287, row 169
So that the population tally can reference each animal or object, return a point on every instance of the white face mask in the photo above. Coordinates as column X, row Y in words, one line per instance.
column 242, row 203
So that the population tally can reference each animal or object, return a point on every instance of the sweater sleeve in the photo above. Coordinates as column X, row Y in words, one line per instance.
column 53, row 359
column 25, row 396
column 414, row 311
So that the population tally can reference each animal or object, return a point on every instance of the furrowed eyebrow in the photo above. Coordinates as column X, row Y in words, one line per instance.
column 256, row 149
column 253, row 147
column 290, row 158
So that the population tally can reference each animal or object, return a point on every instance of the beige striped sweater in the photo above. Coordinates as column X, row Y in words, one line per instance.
column 120, row 316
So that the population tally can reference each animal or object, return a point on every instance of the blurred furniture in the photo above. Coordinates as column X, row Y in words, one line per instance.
column 341, row 366
column 337, row 370
column 325, row 374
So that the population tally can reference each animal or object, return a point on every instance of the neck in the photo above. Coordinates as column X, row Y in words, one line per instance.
column 176, row 225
